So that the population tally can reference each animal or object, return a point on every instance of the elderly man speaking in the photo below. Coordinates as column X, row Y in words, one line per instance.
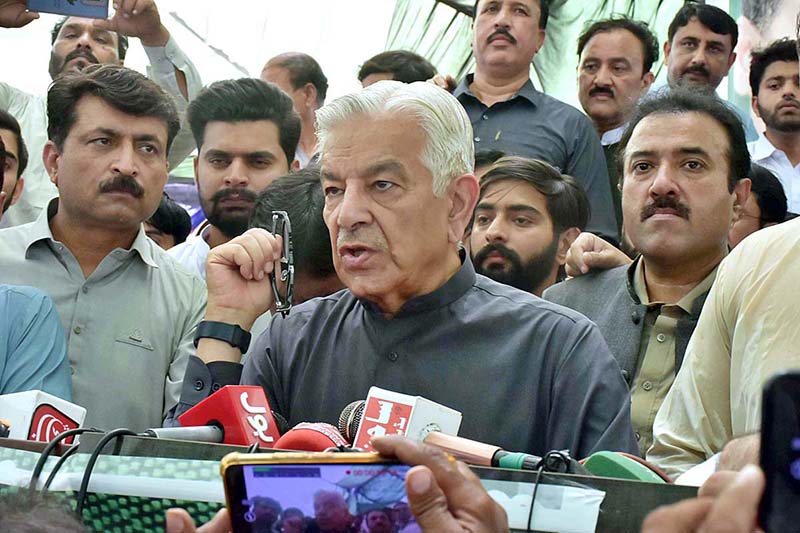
column 396, row 160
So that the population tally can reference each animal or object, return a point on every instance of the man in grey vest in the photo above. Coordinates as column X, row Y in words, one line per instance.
column 680, row 196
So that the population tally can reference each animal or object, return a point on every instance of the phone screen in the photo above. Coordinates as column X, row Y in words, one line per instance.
column 331, row 497
column 780, row 454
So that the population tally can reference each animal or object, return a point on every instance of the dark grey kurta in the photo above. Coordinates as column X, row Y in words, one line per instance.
column 527, row 375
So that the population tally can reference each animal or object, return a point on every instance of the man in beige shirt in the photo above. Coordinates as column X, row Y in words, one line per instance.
column 679, row 196
column 129, row 311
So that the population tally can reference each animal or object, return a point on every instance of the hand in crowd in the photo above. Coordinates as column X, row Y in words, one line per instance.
column 15, row 14
column 179, row 521
column 727, row 502
column 590, row 252
column 237, row 275
column 137, row 18
column 446, row 82
column 443, row 494
column 740, row 452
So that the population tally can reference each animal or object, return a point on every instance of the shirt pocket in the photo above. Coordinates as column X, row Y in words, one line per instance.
column 135, row 337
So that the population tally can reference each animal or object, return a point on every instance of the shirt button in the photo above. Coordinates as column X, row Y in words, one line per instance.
column 215, row 387
column 638, row 436
column 72, row 370
column 393, row 356
column 625, row 375
column 477, row 139
column 77, row 330
column 85, row 289
column 647, row 385
column 485, row 117
column 198, row 384
column 661, row 337
column 635, row 317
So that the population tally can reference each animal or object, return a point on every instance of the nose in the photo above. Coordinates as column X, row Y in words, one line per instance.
column 353, row 209
column 84, row 40
column 237, row 175
column 501, row 18
column 497, row 232
column 664, row 182
column 126, row 162
column 603, row 77
column 699, row 56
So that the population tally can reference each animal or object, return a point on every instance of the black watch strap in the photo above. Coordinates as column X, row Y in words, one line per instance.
column 230, row 333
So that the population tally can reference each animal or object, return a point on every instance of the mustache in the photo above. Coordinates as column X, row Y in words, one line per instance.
column 698, row 69
column 369, row 236
column 601, row 90
column 80, row 52
column 244, row 194
column 665, row 202
column 123, row 183
column 500, row 248
column 504, row 32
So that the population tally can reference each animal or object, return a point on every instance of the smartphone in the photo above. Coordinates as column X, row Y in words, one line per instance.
column 780, row 453
column 308, row 492
column 96, row 9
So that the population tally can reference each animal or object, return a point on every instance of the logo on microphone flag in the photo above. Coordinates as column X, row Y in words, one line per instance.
column 382, row 417
column 48, row 423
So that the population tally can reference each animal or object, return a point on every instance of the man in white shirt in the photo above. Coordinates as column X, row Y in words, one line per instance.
column 246, row 132
column 776, row 99
column 78, row 42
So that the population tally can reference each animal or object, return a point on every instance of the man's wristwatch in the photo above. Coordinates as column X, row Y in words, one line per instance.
column 230, row 333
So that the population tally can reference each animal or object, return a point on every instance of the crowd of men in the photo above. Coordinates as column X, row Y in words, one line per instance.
column 434, row 222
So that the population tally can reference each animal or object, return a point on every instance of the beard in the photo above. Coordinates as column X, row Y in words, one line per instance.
column 773, row 121
column 527, row 276
column 232, row 222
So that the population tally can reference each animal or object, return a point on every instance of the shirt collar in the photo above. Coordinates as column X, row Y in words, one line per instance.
column 613, row 136
column 40, row 231
column 762, row 148
column 636, row 276
column 452, row 290
column 527, row 91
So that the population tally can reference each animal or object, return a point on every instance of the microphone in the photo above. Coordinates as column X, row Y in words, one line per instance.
column 39, row 416
column 311, row 437
column 391, row 413
column 235, row 414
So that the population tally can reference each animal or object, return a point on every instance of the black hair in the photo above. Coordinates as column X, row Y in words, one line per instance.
column 123, row 89
column 403, row 65
column 709, row 16
column 638, row 28
column 300, row 195
column 487, row 157
column 680, row 101
column 781, row 50
column 171, row 219
column 8, row 122
column 566, row 200
column 25, row 510
column 2, row 163
column 544, row 12
column 770, row 196
column 246, row 99
column 302, row 69
column 122, row 40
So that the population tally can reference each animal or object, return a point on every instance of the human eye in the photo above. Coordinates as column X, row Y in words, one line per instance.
column 101, row 141
column 641, row 167
column 694, row 165
column 522, row 221
column 149, row 148
column 482, row 219
column 689, row 44
column 332, row 192
column 383, row 185
column 589, row 67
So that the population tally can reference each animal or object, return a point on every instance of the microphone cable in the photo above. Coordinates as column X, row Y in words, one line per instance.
column 554, row 461
column 48, row 450
column 61, row 460
column 87, row 473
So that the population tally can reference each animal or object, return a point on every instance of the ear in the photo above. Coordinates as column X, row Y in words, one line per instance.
column 50, row 158
column 294, row 166
column 565, row 240
column 647, row 81
column 731, row 60
column 754, row 106
column 741, row 192
column 310, row 94
column 667, row 49
column 542, row 35
column 17, row 192
column 194, row 164
column 462, row 194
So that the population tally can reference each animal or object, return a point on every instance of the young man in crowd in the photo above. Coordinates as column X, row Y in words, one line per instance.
column 527, row 216
column 16, row 160
column 400, row 65
column 765, row 207
column 128, row 309
column 79, row 42
column 246, row 132
column 169, row 225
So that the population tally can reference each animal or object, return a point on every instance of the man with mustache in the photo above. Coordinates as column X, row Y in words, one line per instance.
column 614, row 71
column 128, row 309
column 246, row 132
column 508, row 114
column 680, row 195
column 776, row 99
column 16, row 160
column 399, row 191
column 527, row 216
column 699, row 52
column 79, row 42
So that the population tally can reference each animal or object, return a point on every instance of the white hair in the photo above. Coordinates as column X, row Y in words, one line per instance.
column 448, row 151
